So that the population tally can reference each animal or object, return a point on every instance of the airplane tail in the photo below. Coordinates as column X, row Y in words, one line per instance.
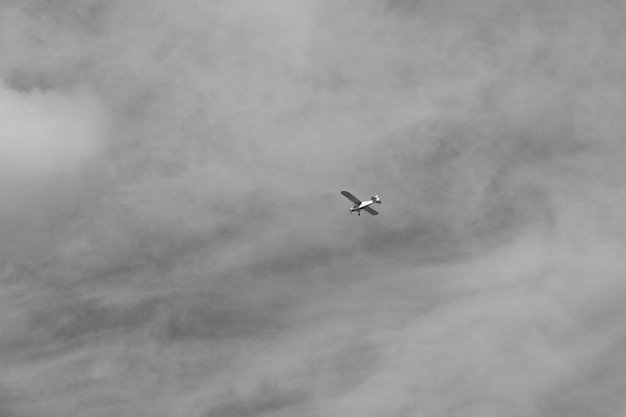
column 376, row 199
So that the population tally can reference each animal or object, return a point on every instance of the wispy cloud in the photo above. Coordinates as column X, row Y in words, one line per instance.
column 173, row 241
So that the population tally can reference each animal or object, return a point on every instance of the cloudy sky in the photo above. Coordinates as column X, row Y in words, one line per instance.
column 173, row 241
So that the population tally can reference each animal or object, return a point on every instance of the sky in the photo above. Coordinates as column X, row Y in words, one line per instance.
column 173, row 241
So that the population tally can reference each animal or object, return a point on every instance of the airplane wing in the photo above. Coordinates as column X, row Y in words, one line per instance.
column 370, row 211
column 351, row 197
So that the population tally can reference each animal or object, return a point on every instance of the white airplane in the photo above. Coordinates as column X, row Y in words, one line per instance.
column 362, row 205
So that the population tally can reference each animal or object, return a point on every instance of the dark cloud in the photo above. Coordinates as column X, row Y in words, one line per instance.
column 268, row 401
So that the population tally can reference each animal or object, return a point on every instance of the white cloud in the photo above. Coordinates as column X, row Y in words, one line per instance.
column 46, row 138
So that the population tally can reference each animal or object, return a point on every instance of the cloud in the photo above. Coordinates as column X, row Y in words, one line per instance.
column 51, row 148
column 174, row 241
column 48, row 134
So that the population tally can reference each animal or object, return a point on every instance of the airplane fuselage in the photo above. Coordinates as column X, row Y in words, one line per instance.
column 359, row 207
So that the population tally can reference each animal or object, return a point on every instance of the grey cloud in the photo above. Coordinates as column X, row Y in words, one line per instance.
column 183, row 249
column 268, row 402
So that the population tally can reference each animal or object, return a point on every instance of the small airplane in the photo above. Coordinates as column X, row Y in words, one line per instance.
column 362, row 205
